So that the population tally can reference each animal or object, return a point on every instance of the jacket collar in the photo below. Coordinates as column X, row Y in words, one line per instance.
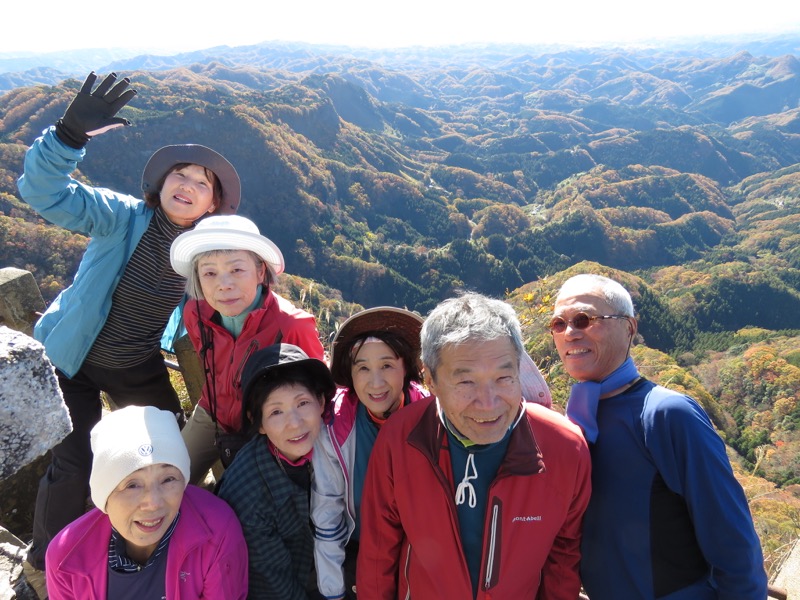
column 523, row 456
column 92, row 544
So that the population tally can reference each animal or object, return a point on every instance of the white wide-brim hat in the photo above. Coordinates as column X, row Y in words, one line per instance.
column 224, row 232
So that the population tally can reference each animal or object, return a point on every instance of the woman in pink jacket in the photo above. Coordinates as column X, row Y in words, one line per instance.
column 150, row 536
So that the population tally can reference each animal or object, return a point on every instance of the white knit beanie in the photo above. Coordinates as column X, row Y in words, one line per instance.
column 129, row 439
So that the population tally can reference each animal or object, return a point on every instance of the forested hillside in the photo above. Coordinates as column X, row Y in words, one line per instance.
column 399, row 179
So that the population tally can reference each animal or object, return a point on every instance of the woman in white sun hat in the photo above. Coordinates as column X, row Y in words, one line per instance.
column 150, row 536
column 230, row 267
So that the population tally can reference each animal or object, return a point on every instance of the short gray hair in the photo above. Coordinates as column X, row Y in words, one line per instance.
column 195, row 290
column 468, row 318
column 612, row 291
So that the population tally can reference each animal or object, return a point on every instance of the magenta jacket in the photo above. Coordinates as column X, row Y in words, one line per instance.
column 207, row 554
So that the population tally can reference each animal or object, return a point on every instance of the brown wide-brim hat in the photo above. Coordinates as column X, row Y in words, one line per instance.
column 398, row 321
column 167, row 157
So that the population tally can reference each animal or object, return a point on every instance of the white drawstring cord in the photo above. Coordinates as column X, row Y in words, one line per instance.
column 466, row 485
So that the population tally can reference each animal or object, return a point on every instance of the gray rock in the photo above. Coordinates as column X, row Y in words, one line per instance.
column 33, row 416
column 13, row 584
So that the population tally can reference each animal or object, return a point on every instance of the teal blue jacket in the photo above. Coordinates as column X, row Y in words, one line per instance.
column 115, row 223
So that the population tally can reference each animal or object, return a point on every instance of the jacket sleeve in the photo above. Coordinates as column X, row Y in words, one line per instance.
column 382, row 536
column 560, row 574
column 46, row 185
column 228, row 575
column 691, row 458
column 329, row 516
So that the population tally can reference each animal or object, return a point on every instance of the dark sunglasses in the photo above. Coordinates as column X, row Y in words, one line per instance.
column 580, row 321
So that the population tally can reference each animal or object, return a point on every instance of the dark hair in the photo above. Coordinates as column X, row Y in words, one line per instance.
column 153, row 199
column 273, row 379
column 401, row 348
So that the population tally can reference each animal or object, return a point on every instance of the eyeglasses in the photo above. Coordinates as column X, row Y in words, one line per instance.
column 580, row 321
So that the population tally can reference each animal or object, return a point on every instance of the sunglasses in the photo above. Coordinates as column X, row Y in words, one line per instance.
column 580, row 321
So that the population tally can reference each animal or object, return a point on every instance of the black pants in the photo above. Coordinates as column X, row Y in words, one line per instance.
column 63, row 489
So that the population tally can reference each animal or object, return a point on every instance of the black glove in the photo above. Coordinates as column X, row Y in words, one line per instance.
column 92, row 113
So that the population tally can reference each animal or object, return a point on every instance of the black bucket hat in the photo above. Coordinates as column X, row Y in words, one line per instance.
column 399, row 321
column 167, row 157
column 279, row 357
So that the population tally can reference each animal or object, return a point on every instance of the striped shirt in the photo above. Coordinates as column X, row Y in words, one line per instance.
column 143, row 301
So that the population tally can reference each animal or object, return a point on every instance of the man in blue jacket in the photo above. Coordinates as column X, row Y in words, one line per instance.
column 667, row 518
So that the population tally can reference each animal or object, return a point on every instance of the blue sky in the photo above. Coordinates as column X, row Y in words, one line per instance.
column 51, row 25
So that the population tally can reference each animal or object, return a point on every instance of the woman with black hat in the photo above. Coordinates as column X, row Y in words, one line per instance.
column 103, row 333
column 268, row 485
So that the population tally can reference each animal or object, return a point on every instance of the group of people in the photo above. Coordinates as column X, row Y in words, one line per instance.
column 475, row 489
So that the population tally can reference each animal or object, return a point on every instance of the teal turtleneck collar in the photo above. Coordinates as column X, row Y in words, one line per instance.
column 234, row 324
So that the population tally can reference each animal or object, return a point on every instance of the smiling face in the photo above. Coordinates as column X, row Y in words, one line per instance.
column 144, row 504
column 477, row 385
column 593, row 353
column 291, row 418
column 187, row 194
column 378, row 377
column 230, row 280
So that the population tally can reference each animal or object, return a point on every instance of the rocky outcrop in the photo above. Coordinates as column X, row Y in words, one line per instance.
column 33, row 416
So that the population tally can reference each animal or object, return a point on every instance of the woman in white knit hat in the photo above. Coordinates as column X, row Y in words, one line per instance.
column 150, row 536
column 230, row 269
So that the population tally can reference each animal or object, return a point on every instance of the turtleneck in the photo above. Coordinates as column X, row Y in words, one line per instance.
column 235, row 324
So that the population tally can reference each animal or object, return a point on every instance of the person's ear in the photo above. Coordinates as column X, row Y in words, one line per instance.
column 428, row 380
column 633, row 327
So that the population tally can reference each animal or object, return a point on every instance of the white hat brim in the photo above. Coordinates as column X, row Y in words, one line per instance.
column 188, row 245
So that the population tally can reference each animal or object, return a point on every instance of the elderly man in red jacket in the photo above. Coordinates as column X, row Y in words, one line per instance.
column 474, row 492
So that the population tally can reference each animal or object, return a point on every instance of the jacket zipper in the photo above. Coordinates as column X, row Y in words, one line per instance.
column 492, row 546
column 405, row 572
column 237, row 377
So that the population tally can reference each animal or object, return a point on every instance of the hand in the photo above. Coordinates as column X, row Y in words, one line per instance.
column 92, row 113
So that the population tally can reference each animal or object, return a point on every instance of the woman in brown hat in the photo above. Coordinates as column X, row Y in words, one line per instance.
column 375, row 361
column 103, row 333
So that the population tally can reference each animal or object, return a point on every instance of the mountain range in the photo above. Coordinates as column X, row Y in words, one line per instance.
column 401, row 176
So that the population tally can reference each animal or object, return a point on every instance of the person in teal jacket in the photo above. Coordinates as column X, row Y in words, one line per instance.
column 103, row 333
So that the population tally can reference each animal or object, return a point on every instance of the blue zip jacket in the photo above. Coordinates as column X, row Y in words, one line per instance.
column 667, row 518
column 114, row 222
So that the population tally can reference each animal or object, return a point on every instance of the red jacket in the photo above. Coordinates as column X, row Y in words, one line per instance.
column 278, row 320
column 410, row 542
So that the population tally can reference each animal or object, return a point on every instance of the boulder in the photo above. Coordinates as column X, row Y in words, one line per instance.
column 33, row 416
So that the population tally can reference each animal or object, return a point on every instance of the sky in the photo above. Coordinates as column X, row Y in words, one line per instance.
column 172, row 26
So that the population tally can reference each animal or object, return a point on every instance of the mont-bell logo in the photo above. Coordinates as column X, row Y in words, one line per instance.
column 145, row 449
column 526, row 518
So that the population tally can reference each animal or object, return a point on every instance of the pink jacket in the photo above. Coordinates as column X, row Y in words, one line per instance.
column 207, row 554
